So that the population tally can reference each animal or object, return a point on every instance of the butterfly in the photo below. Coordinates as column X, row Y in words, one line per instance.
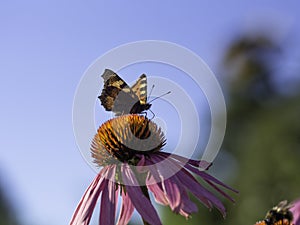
column 121, row 99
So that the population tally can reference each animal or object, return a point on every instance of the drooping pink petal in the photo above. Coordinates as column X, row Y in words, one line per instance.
column 197, row 163
column 220, row 190
column 187, row 207
column 158, row 193
column 207, row 177
column 161, row 168
column 168, row 168
column 154, row 176
column 187, row 180
column 108, row 201
column 173, row 192
column 127, row 209
column 295, row 209
column 85, row 208
column 142, row 204
column 141, row 163
column 181, row 202
column 199, row 191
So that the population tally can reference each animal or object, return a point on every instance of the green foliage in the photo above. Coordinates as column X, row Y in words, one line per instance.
column 263, row 136
column 268, row 153
column 6, row 215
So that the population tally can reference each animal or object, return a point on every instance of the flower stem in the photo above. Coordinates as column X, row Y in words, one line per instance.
column 146, row 193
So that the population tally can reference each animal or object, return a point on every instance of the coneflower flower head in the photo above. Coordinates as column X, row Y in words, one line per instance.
column 129, row 149
column 124, row 138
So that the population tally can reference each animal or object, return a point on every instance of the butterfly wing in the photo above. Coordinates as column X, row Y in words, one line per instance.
column 116, row 95
column 140, row 89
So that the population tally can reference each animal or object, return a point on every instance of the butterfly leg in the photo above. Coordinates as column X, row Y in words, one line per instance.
column 153, row 114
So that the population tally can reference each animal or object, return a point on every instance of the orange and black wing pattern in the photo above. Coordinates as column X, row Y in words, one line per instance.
column 121, row 99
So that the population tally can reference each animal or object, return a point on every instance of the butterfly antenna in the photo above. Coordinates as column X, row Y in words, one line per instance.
column 151, row 91
column 160, row 96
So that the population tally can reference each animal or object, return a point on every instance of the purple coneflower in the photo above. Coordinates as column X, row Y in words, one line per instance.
column 295, row 209
column 128, row 148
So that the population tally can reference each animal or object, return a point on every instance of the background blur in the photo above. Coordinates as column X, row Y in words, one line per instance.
column 46, row 46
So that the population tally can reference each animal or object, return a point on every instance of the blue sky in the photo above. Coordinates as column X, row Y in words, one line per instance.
column 45, row 48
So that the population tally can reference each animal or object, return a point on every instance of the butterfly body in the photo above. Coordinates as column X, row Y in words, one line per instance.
column 139, row 108
column 121, row 99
